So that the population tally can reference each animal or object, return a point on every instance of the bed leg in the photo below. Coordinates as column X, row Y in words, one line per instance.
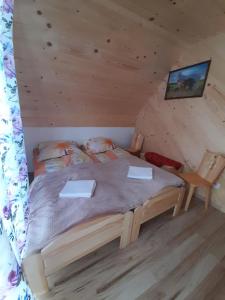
column 33, row 267
column 127, row 229
column 138, row 212
column 179, row 202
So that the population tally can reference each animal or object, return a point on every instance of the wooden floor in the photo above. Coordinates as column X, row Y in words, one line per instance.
column 181, row 258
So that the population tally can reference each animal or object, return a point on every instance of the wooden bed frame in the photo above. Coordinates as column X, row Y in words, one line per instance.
column 83, row 239
column 171, row 197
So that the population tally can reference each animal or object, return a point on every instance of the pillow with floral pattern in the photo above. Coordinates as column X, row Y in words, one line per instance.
column 55, row 149
column 98, row 145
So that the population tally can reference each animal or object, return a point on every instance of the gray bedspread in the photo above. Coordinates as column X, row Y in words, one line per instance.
column 50, row 215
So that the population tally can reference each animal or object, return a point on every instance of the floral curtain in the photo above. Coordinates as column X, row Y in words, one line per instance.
column 13, row 169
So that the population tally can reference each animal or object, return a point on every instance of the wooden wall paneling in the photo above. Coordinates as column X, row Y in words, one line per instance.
column 97, row 59
column 183, row 129
column 105, row 63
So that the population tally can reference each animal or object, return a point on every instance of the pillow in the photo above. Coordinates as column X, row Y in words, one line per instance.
column 55, row 149
column 98, row 145
column 79, row 156
column 52, row 143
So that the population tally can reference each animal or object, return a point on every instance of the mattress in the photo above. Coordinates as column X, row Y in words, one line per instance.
column 50, row 215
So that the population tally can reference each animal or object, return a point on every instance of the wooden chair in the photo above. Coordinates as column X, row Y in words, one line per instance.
column 136, row 144
column 211, row 167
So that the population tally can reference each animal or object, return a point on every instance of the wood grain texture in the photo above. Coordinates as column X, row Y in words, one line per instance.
column 83, row 239
column 73, row 244
column 210, row 169
column 96, row 63
column 126, row 230
column 174, row 258
column 34, row 270
column 184, row 129
column 170, row 198
column 89, row 63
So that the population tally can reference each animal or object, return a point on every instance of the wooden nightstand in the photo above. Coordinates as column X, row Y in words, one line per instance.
column 133, row 152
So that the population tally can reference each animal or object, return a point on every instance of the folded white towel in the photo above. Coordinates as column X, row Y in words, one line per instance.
column 140, row 173
column 78, row 188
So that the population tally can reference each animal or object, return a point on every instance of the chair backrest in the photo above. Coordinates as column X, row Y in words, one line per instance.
column 137, row 142
column 211, row 166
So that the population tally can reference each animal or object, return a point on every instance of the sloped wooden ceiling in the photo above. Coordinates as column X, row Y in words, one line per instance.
column 90, row 63
column 96, row 62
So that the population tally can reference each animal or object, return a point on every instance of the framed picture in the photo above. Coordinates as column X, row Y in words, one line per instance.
column 187, row 82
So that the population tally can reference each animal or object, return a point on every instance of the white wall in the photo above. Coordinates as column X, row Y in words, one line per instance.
column 33, row 135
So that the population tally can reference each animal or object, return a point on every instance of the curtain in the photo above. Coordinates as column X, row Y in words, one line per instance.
column 13, row 169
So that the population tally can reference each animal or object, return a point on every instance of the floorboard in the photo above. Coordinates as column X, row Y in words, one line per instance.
column 179, row 258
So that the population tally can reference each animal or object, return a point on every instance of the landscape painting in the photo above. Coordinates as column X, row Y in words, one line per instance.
column 187, row 82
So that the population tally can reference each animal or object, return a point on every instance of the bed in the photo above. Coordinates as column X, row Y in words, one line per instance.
column 125, row 205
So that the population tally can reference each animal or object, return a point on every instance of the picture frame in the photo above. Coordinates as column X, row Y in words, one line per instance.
column 187, row 82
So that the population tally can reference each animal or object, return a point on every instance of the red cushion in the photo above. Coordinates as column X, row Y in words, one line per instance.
column 160, row 160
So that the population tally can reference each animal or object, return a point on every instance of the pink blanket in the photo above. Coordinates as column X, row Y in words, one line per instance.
column 115, row 193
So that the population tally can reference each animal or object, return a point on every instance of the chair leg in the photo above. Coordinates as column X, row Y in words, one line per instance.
column 189, row 197
column 208, row 197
